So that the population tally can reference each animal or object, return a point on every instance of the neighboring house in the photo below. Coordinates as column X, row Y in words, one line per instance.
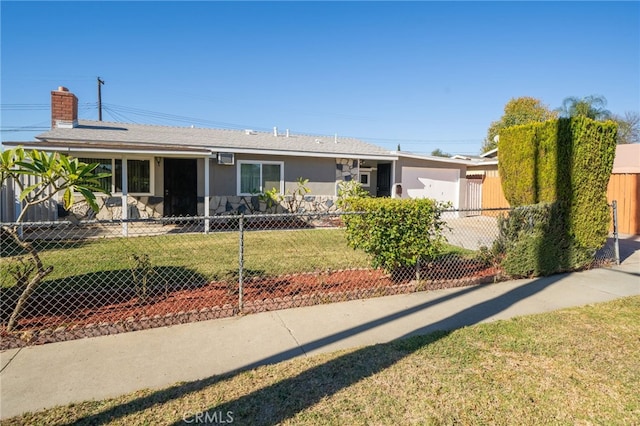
column 624, row 187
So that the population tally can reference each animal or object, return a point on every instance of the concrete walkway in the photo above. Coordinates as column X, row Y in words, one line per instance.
column 39, row 377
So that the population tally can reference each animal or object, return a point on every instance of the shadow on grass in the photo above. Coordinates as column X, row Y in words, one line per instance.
column 69, row 295
column 8, row 246
column 283, row 400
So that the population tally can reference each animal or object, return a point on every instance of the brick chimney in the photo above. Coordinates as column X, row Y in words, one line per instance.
column 64, row 109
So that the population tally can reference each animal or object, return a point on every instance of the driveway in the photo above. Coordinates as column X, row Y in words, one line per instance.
column 471, row 232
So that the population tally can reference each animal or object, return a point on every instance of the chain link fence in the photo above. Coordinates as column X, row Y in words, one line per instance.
column 115, row 276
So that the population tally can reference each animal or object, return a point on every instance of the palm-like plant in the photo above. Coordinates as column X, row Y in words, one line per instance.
column 593, row 106
column 53, row 173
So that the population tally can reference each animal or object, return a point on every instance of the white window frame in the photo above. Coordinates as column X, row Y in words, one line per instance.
column 368, row 175
column 260, row 163
column 113, row 173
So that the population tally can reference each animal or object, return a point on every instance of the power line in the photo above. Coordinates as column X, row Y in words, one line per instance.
column 36, row 107
column 172, row 117
column 178, row 118
column 118, row 117
column 23, row 129
column 122, row 114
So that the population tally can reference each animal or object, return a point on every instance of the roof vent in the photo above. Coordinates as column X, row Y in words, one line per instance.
column 250, row 132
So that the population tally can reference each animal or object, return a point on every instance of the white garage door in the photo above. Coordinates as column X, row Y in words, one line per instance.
column 439, row 184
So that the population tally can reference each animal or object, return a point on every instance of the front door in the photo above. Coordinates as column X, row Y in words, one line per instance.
column 180, row 187
column 384, row 180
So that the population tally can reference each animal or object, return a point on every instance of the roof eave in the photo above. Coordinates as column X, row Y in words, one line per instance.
column 160, row 149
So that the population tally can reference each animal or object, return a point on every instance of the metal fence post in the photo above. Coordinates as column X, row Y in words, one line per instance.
column 616, row 240
column 240, row 261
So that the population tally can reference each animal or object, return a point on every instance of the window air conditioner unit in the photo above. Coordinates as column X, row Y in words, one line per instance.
column 226, row 158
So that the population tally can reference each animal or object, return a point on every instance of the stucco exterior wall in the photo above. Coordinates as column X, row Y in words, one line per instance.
column 319, row 171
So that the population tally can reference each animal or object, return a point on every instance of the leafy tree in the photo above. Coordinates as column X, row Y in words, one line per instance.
column 439, row 153
column 53, row 173
column 522, row 110
column 592, row 106
column 628, row 127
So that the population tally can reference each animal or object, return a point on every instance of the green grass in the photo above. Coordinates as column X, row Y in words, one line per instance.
column 108, row 261
column 212, row 256
column 575, row 366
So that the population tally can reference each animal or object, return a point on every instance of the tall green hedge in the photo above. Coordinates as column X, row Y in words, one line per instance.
column 395, row 232
column 565, row 161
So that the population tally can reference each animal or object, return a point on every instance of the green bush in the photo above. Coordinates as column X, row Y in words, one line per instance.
column 533, row 241
column 565, row 161
column 396, row 232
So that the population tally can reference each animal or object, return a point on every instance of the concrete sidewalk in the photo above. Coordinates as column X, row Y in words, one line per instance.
column 40, row 377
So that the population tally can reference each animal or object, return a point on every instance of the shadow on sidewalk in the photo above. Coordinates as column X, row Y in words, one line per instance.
column 628, row 246
column 283, row 400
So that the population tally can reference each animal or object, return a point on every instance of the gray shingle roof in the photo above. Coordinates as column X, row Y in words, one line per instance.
column 124, row 134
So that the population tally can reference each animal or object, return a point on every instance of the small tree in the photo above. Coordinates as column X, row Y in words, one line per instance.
column 592, row 106
column 348, row 190
column 295, row 197
column 440, row 153
column 628, row 127
column 517, row 111
column 54, row 173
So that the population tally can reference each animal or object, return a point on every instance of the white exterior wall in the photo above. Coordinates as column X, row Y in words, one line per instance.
column 443, row 185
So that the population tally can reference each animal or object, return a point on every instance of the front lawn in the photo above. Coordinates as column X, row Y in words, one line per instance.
column 87, row 263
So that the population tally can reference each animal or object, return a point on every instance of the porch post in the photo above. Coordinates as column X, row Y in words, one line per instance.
column 207, row 194
column 393, row 180
column 125, row 205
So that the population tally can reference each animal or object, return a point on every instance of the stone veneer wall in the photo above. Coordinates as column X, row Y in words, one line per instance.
column 141, row 207
column 346, row 169
column 228, row 205
column 144, row 207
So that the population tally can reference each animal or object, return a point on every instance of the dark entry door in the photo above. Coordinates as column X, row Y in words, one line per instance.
column 180, row 187
column 384, row 180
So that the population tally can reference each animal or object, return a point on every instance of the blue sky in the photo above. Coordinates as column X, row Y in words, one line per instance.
column 424, row 75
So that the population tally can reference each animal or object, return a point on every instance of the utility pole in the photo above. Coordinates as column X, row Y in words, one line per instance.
column 100, row 83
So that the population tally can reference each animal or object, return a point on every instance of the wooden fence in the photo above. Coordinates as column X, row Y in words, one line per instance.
column 624, row 188
column 492, row 195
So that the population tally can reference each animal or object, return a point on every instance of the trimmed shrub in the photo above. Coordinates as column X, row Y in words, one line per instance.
column 566, row 162
column 396, row 232
column 533, row 242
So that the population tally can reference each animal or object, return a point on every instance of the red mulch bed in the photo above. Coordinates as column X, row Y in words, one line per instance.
column 81, row 315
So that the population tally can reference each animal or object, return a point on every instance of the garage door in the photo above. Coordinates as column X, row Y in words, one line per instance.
column 439, row 184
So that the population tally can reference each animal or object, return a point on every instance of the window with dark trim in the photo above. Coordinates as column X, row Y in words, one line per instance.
column 138, row 174
column 105, row 165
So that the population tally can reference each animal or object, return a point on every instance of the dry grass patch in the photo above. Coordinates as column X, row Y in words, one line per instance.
column 575, row 366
